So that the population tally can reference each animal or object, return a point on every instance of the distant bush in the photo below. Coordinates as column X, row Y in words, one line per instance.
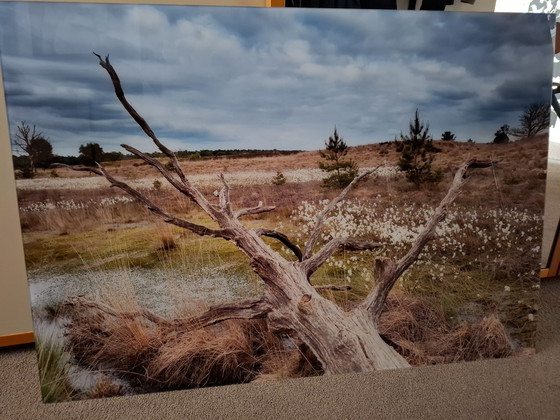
column 448, row 136
column 25, row 173
column 501, row 136
column 279, row 179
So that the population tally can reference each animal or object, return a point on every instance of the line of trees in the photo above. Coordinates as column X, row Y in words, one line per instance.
column 534, row 119
column 33, row 150
column 417, row 150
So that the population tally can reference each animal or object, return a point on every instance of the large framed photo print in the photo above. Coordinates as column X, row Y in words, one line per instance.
column 214, row 196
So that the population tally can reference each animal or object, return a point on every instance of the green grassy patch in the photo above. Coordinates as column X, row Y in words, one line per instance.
column 137, row 246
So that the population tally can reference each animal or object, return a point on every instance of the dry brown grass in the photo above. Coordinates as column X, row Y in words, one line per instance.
column 124, row 345
column 423, row 337
column 225, row 354
column 483, row 340
column 509, row 183
column 530, row 151
column 152, row 357
column 165, row 236
column 105, row 388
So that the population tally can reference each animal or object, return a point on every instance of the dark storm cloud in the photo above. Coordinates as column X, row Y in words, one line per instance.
column 515, row 93
column 451, row 97
column 252, row 78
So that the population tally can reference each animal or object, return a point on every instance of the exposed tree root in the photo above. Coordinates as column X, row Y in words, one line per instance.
column 152, row 355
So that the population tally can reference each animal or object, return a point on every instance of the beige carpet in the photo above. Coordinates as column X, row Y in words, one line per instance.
column 515, row 388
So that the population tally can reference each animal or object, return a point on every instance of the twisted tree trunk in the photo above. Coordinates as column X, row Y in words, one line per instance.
column 343, row 341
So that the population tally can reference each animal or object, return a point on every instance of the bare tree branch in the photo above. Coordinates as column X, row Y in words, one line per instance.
column 253, row 210
column 154, row 208
column 119, row 92
column 428, row 233
column 225, row 203
column 244, row 309
column 96, row 171
column 78, row 301
column 24, row 136
column 385, row 276
column 335, row 245
column 282, row 238
column 184, row 187
column 386, row 271
column 314, row 237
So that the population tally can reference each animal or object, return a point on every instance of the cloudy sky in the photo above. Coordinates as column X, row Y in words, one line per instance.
column 209, row 78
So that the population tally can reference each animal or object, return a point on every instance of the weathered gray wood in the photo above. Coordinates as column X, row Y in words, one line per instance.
column 387, row 272
column 312, row 263
column 316, row 232
column 343, row 341
column 270, row 233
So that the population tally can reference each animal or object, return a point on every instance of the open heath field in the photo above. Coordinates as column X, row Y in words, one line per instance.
column 84, row 238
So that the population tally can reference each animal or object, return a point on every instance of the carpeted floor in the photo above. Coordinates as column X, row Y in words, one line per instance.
column 515, row 388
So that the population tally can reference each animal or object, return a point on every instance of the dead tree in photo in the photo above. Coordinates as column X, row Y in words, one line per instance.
column 34, row 145
column 343, row 341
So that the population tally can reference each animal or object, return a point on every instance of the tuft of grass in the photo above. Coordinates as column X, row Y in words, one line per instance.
column 421, row 334
column 483, row 340
column 230, row 353
column 52, row 361
column 165, row 235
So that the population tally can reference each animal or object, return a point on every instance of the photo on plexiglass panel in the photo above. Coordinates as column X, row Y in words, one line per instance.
column 214, row 196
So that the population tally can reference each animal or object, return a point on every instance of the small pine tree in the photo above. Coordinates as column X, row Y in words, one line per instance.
column 341, row 172
column 417, row 154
